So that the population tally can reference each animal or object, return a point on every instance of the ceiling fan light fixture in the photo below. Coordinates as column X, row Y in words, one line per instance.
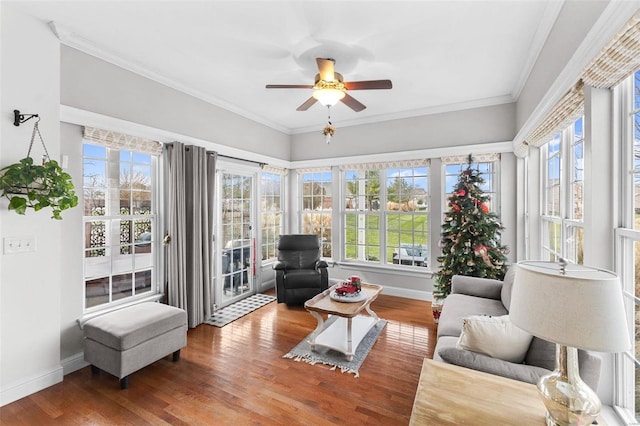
column 328, row 97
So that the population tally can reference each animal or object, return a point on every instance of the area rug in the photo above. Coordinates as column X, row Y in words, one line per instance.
column 326, row 356
column 239, row 309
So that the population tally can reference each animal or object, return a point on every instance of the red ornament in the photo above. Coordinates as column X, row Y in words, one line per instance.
column 461, row 193
column 484, row 208
column 455, row 207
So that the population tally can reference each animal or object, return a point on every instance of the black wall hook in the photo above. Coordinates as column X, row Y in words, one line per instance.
column 21, row 118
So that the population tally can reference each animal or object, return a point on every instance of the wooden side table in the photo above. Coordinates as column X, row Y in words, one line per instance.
column 452, row 395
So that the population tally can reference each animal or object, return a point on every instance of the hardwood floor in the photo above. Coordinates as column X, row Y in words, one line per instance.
column 236, row 375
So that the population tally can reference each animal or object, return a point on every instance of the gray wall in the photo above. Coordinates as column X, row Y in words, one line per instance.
column 91, row 84
column 71, row 286
column 457, row 128
column 573, row 24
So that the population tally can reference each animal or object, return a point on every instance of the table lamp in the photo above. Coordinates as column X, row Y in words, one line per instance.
column 573, row 306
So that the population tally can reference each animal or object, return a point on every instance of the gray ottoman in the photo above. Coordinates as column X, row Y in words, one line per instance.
column 126, row 340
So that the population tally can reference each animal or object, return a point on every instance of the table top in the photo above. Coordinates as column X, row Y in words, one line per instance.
column 451, row 395
column 322, row 303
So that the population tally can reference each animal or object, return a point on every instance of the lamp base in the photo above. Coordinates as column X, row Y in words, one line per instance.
column 568, row 399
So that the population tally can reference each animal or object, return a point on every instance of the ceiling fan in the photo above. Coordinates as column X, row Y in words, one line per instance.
column 330, row 87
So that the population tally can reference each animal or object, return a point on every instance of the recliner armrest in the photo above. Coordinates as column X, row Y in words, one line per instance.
column 321, row 264
column 280, row 266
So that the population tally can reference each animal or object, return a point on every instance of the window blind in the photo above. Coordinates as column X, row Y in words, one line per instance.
column 566, row 111
column 618, row 60
column 117, row 140
column 274, row 170
column 313, row 170
column 477, row 158
column 386, row 165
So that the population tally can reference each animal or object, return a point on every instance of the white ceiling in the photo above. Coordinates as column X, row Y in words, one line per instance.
column 440, row 55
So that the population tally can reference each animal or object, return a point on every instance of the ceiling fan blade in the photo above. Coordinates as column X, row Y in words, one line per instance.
column 326, row 69
column 289, row 86
column 305, row 106
column 353, row 103
column 368, row 85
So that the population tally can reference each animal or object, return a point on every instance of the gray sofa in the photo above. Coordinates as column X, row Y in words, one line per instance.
column 481, row 296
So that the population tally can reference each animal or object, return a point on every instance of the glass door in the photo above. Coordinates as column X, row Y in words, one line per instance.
column 235, row 242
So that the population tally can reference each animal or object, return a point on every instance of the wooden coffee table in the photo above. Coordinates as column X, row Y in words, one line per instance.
column 345, row 327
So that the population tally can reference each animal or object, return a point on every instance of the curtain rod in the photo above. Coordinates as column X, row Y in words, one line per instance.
column 243, row 159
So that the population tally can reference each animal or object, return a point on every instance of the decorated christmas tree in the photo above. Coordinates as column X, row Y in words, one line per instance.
column 470, row 238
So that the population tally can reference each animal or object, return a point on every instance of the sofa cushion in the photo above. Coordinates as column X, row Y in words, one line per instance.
column 458, row 306
column 507, row 285
column 541, row 353
column 497, row 337
column 480, row 362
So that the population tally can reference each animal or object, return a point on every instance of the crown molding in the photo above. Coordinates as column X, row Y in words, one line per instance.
column 549, row 17
column 80, row 43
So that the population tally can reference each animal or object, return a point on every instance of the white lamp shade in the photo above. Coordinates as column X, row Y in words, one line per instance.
column 582, row 309
column 328, row 97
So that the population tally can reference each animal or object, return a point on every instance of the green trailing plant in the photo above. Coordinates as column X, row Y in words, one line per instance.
column 470, row 237
column 29, row 185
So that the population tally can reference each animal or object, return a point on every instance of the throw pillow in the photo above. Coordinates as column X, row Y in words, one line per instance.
column 497, row 337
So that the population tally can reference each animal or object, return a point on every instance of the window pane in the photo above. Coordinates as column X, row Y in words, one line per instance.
column 96, row 291
column 316, row 197
column 122, row 286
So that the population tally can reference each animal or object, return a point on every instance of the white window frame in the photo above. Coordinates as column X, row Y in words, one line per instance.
column 494, row 192
column 266, row 212
column 110, row 217
column 565, row 220
column 302, row 211
column 626, row 237
column 411, row 261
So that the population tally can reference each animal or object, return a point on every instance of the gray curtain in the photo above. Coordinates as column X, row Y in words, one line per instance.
column 189, row 183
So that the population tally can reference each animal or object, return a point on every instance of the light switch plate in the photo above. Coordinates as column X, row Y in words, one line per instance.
column 19, row 244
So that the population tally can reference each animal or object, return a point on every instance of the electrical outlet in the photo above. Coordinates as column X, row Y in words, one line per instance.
column 19, row 244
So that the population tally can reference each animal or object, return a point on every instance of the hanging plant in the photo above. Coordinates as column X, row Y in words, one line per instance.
column 29, row 185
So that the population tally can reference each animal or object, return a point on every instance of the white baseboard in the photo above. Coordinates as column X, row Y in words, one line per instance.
column 408, row 293
column 74, row 363
column 34, row 384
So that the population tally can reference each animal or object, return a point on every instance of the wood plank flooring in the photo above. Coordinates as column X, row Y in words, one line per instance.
column 236, row 375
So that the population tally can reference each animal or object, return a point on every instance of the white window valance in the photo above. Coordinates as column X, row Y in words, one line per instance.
column 477, row 158
column 619, row 59
column 399, row 164
column 313, row 170
column 274, row 170
column 117, row 140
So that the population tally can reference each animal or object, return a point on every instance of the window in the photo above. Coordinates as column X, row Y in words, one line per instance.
column 119, row 224
column 386, row 214
column 628, row 247
column 455, row 165
column 317, row 205
column 563, row 190
column 271, row 207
